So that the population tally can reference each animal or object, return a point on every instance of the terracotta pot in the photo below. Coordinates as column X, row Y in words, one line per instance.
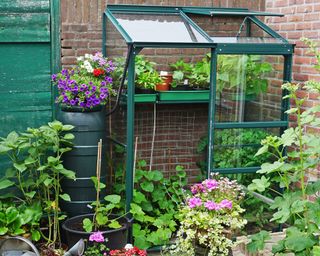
column 163, row 87
column 167, row 78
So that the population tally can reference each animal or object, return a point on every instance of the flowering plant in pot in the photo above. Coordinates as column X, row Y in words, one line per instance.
column 128, row 250
column 86, row 86
column 208, row 218
column 98, row 247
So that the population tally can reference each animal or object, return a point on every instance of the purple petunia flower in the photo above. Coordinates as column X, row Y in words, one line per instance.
column 210, row 205
column 96, row 237
column 54, row 77
column 225, row 203
column 194, row 201
column 108, row 79
column 103, row 83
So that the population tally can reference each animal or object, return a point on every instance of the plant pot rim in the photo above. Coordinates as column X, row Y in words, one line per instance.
column 68, row 108
column 70, row 220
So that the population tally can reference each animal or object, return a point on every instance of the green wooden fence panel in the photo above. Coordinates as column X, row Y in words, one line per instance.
column 25, row 66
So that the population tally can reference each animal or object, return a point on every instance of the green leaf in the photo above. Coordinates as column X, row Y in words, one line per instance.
column 297, row 241
column 68, row 174
column 138, row 197
column 3, row 231
column 6, row 183
column 115, row 199
column 136, row 209
column 101, row 219
column 259, row 184
column 20, row 167
column 316, row 251
column 262, row 150
column 258, row 241
column 288, row 137
column 269, row 168
column 68, row 136
column 65, row 197
column 30, row 194
column 18, row 231
column 147, row 186
column 47, row 182
column 35, row 235
column 114, row 224
column 67, row 127
column 87, row 225
column 11, row 214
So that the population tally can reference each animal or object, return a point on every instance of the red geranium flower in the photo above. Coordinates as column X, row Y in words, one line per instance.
column 98, row 72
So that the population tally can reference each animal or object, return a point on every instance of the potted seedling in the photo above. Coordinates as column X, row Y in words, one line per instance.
column 102, row 222
column 181, row 75
column 200, row 76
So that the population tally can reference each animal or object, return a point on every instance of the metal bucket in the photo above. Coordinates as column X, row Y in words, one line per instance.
column 17, row 246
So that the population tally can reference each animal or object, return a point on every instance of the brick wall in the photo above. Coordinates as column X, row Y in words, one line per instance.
column 302, row 19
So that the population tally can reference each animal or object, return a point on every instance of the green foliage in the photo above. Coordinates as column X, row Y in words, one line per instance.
column 200, row 75
column 36, row 169
column 258, row 240
column 234, row 70
column 18, row 220
column 293, row 207
column 97, row 249
column 181, row 72
column 155, row 204
column 101, row 219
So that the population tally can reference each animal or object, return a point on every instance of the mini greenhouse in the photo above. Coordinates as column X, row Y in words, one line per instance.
column 248, row 63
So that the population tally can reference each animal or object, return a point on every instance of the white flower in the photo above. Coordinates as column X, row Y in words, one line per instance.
column 80, row 58
column 88, row 66
column 88, row 56
column 128, row 247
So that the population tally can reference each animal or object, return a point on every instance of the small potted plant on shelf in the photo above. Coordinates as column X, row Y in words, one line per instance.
column 147, row 78
column 209, row 218
column 181, row 75
column 166, row 81
column 200, row 76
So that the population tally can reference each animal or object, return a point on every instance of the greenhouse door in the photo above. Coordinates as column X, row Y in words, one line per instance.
column 26, row 63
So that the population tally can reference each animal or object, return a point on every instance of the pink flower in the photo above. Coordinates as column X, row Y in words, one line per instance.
column 211, row 184
column 210, row 205
column 194, row 201
column 96, row 237
column 226, row 204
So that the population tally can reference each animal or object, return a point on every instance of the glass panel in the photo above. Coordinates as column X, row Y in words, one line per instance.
column 234, row 30
column 249, row 88
column 171, row 28
column 236, row 147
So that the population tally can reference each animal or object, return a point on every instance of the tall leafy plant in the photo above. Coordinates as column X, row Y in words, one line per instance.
column 293, row 206
column 155, row 204
column 36, row 170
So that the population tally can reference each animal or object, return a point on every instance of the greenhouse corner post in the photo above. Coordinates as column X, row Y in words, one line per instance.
column 212, row 106
column 130, row 131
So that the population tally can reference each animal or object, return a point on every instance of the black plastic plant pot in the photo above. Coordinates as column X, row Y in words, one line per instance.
column 117, row 238
column 144, row 91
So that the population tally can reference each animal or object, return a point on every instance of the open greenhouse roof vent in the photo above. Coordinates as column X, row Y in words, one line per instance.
column 230, row 30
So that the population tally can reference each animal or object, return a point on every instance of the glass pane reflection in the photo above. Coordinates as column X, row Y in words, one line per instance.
column 172, row 28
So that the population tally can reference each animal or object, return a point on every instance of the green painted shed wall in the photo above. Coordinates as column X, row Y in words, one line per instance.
column 25, row 65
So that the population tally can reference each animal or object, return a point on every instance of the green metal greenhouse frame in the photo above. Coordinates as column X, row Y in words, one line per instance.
column 278, row 46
